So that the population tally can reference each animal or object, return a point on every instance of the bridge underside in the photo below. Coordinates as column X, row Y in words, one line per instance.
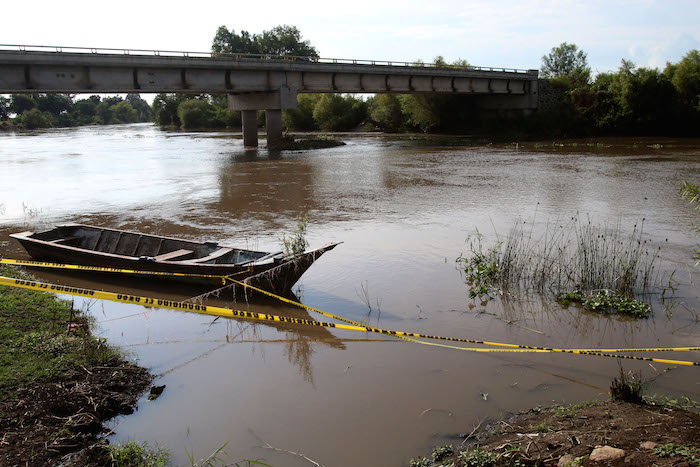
column 270, row 85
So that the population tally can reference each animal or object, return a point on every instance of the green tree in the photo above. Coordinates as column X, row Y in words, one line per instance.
column 568, row 62
column 4, row 108
column 55, row 104
column 35, row 118
column 195, row 113
column 385, row 111
column 140, row 105
column 686, row 79
column 165, row 109
column 21, row 103
column 302, row 117
column 334, row 112
column 285, row 40
column 645, row 97
column 280, row 40
column 105, row 115
column 123, row 112
column 226, row 41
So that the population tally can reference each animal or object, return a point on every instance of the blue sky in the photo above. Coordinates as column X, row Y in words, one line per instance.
column 510, row 33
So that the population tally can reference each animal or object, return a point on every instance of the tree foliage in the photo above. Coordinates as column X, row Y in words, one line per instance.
column 62, row 110
column 280, row 40
column 4, row 108
column 568, row 62
column 686, row 78
column 334, row 112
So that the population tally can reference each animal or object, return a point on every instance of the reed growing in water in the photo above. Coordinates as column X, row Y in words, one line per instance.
column 578, row 256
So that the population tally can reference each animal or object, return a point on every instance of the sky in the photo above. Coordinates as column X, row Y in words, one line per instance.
column 507, row 33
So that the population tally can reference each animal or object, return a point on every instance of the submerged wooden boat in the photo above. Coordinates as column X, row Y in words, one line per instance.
column 97, row 246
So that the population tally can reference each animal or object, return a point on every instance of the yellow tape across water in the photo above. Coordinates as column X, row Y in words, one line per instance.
column 232, row 313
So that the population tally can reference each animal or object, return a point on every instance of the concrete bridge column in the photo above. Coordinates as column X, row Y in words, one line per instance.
column 249, row 121
column 272, row 102
column 273, row 125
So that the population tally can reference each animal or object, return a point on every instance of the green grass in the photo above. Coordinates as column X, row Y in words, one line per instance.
column 688, row 453
column 135, row 454
column 34, row 344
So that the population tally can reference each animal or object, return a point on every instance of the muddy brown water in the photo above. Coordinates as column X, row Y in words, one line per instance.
column 403, row 209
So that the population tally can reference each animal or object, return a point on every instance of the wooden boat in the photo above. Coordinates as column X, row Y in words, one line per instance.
column 97, row 246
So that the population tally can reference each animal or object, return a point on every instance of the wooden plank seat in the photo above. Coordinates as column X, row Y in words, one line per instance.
column 173, row 254
column 217, row 254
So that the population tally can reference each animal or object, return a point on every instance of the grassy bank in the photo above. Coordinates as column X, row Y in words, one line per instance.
column 58, row 383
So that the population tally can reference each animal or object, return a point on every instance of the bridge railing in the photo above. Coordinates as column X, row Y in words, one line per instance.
column 246, row 56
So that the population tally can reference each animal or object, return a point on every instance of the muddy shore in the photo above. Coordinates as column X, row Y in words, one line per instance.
column 596, row 433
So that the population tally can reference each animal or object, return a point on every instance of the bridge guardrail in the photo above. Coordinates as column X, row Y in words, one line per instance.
column 247, row 56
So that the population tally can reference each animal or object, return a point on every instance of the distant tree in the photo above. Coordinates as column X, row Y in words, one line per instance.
column 280, row 40
column 85, row 110
column 567, row 61
column 302, row 118
column 140, row 105
column 334, row 112
column 226, row 41
column 195, row 113
column 21, row 103
column 54, row 103
column 105, row 115
column 165, row 109
column 385, row 112
column 686, row 79
column 285, row 40
column 123, row 112
column 4, row 108
column 35, row 118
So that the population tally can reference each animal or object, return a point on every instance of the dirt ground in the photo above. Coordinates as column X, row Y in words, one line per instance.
column 61, row 423
column 546, row 436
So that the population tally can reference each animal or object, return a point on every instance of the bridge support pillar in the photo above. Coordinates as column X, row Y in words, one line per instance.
column 273, row 125
column 272, row 102
column 249, row 121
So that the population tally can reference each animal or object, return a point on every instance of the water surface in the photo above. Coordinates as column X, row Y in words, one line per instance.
column 403, row 209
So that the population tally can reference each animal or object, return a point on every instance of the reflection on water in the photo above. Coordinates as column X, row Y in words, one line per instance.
column 403, row 210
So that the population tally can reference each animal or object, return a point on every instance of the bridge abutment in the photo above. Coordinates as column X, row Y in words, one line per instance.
column 272, row 103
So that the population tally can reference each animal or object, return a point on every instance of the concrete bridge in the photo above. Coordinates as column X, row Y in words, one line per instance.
column 252, row 82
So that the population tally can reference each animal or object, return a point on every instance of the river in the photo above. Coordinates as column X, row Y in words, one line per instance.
column 403, row 208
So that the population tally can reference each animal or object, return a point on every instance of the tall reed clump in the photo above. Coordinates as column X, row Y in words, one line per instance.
column 578, row 256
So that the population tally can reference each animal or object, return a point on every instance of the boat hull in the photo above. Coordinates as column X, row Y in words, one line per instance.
column 276, row 274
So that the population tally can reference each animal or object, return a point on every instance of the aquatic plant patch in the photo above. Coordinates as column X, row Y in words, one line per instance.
column 606, row 302
column 568, row 262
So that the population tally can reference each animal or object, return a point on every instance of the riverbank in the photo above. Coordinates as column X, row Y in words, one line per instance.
column 58, row 382
column 589, row 433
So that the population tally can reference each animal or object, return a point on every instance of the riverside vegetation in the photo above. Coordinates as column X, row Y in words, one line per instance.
column 58, row 382
column 578, row 261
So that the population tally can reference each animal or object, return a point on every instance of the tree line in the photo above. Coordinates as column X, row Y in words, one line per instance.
column 62, row 110
column 631, row 100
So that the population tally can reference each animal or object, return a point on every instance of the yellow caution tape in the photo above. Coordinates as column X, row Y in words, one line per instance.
column 78, row 267
column 232, row 313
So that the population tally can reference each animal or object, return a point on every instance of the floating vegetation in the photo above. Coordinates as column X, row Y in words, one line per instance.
column 605, row 302
column 598, row 266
